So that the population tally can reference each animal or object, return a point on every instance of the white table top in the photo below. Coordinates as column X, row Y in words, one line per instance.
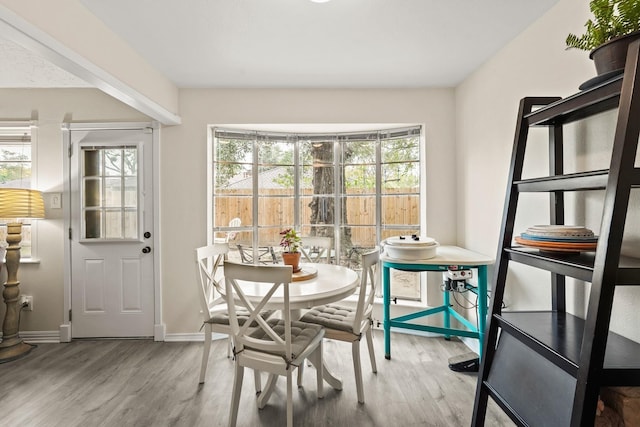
column 333, row 283
column 447, row 255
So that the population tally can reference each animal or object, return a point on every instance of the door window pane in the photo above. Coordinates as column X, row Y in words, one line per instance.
column 110, row 193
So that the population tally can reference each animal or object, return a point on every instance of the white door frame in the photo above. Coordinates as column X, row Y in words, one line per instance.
column 159, row 328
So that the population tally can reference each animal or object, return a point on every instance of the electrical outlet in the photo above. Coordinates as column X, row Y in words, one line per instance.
column 26, row 302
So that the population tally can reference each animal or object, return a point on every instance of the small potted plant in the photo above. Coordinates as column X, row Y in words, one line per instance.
column 290, row 241
column 615, row 24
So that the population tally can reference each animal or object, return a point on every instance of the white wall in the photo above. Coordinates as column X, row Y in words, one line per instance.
column 50, row 108
column 473, row 124
column 184, row 162
column 534, row 64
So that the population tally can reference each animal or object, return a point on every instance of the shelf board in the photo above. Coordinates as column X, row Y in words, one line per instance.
column 592, row 180
column 579, row 266
column 583, row 104
column 557, row 336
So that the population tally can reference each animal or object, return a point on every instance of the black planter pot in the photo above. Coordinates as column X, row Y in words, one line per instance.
column 612, row 55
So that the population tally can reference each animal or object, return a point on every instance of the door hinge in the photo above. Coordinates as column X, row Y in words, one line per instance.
column 70, row 151
column 70, row 233
column 69, row 315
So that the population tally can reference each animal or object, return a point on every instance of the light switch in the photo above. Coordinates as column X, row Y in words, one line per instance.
column 55, row 202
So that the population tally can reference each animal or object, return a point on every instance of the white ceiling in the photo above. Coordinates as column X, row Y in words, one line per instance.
column 298, row 43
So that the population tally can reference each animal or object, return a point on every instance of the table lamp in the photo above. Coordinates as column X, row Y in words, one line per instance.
column 15, row 204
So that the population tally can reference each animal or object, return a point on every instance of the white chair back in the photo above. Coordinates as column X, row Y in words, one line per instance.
column 208, row 259
column 316, row 249
column 278, row 276
column 369, row 283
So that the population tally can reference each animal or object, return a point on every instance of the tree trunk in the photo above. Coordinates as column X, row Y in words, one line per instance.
column 323, row 202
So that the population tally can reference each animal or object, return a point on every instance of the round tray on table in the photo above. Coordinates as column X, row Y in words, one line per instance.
column 306, row 272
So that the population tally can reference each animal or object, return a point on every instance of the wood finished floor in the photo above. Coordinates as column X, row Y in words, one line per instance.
column 145, row 383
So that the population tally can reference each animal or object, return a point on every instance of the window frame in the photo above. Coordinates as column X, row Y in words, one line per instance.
column 32, row 127
column 339, row 139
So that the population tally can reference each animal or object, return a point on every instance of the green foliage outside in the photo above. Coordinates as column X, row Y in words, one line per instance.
column 14, row 165
column 400, row 159
column 611, row 19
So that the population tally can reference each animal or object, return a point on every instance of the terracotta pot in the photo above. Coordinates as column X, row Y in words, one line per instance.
column 292, row 259
column 612, row 55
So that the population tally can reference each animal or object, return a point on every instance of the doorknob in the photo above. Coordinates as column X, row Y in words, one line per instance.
column 146, row 250
column 147, row 234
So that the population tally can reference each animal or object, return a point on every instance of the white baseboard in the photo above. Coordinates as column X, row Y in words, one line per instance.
column 40, row 337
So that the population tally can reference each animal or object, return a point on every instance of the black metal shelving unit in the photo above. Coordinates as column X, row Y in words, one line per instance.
column 545, row 368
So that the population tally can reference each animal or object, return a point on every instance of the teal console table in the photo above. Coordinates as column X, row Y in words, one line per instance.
column 447, row 257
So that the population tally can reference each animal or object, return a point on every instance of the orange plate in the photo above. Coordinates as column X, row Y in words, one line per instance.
column 556, row 246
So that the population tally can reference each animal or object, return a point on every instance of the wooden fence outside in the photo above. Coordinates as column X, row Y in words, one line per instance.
column 276, row 211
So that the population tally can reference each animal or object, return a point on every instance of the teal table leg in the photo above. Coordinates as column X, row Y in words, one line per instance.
column 482, row 304
column 386, row 300
column 447, row 317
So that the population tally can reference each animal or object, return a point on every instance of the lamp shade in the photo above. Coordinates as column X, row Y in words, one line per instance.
column 21, row 203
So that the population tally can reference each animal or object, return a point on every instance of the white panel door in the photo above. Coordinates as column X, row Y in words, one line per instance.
column 112, row 274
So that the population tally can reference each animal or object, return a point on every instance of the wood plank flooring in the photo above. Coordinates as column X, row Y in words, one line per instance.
column 145, row 383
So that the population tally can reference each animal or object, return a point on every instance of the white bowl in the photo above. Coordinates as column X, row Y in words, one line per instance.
column 410, row 250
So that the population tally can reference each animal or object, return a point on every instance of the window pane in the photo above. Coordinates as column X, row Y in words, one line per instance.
column 357, row 152
column 227, row 208
column 113, row 162
column 113, row 224
column 401, row 177
column 317, row 210
column 113, row 192
column 93, row 224
column 130, row 161
column 275, row 211
column 360, row 210
column 130, row 224
column 131, row 192
column 92, row 192
column 275, row 180
column 360, row 178
column 92, row 162
column 275, row 153
column 233, row 150
column 400, row 150
column 401, row 209
column 354, row 241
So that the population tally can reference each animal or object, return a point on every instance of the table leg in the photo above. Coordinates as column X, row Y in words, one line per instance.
column 446, row 301
column 334, row 382
column 263, row 397
column 482, row 304
column 386, row 292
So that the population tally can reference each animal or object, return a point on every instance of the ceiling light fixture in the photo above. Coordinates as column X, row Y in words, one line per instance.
column 320, row 1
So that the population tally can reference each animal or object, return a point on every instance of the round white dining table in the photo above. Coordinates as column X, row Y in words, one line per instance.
column 332, row 283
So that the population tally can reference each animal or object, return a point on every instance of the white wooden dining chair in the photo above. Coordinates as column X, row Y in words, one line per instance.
column 212, row 305
column 316, row 249
column 349, row 324
column 276, row 346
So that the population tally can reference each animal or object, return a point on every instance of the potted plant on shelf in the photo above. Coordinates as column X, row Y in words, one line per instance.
column 615, row 24
column 291, row 242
